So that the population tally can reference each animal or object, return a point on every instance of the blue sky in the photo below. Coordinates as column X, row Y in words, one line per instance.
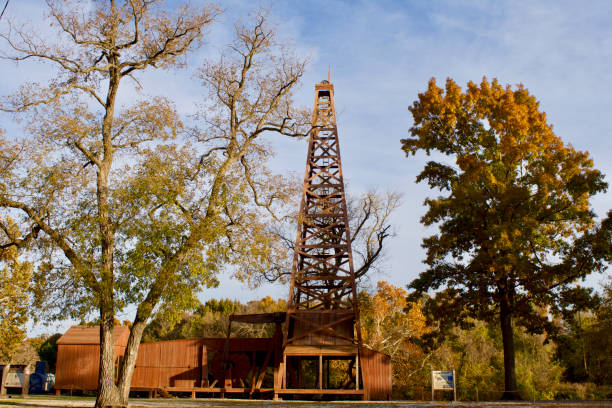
column 381, row 54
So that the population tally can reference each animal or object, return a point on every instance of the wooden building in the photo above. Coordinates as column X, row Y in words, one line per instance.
column 193, row 365
column 196, row 366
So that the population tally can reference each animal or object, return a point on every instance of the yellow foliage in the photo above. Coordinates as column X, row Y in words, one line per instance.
column 14, row 301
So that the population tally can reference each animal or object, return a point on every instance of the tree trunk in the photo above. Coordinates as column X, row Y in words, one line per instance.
column 126, row 370
column 3, row 378
column 25, row 388
column 108, row 394
column 510, row 387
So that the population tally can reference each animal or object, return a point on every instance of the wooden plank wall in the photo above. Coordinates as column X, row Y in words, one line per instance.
column 178, row 363
column 377, row 376
column 164, row 364
column 175, row 363
column 77, row 366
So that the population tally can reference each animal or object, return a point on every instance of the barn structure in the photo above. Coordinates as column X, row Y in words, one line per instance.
column 318, row 351
column 78, row 356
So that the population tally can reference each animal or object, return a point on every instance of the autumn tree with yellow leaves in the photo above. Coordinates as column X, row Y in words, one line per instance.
column 516, row 230
column 393, row 325
column 127, row 205
column 14, row 296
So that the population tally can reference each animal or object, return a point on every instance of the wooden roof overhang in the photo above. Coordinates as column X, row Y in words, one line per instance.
column 84, row 335
column 275, row 317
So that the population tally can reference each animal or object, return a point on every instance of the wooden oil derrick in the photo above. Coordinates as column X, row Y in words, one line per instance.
column 322, row 321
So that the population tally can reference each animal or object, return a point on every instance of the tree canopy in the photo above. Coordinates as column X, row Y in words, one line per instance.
column 516, row 229
column 125, row 204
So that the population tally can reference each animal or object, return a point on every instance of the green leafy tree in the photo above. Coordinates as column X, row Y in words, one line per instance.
column 211, row 320
column 46, row 347
column 515, row 228
column 585, row 345
column 476, row 355
column 129, row 205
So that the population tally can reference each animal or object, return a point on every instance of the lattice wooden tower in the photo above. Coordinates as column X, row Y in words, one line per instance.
column 322, row 316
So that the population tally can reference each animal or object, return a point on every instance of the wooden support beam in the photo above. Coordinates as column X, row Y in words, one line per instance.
column 320, row 372
column 227, row 368
column 283, row 379
column 262, row 372
column 204, row 368
column 357, row 372
column 317, row 391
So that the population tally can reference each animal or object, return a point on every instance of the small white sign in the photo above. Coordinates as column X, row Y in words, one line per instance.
column 443, row 380
column 14, row 380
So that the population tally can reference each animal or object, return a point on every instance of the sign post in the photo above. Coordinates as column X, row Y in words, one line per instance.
column 443, row 380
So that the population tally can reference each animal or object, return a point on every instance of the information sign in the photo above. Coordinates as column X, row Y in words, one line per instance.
column 443, row 380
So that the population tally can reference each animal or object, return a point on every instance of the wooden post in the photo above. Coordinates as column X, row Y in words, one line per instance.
column 326, row 373
column 278, row 373
column 254, row 373
column 454, row 387
column 227, row 383
column 357, row 371
column 278, row 356
column 280, row 377
column 432, row 386
column 204, row 368
column 262, row 372
column 320, row 371
column 283, row 379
